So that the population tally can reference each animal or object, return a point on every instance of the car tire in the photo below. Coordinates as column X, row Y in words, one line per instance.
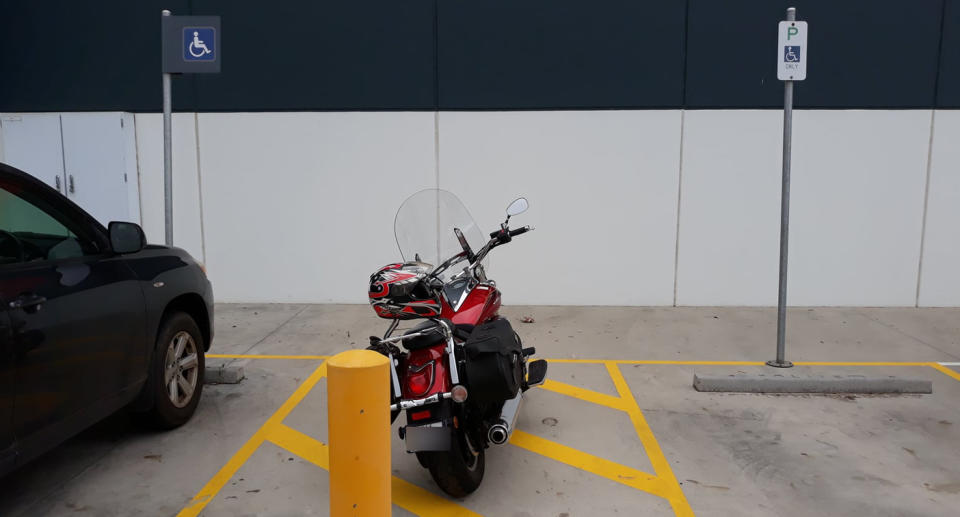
column 176, row 379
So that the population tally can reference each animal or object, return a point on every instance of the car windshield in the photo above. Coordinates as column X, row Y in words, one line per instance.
column 424, row 228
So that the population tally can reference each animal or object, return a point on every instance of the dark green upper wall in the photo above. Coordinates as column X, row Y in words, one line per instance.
column 481, row 54
column 542, row 54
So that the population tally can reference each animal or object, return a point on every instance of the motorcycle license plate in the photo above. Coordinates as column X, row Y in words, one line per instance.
column 427, row 438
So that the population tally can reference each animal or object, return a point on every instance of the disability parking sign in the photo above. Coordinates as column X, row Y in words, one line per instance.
column 191, row 44
column 792, row 51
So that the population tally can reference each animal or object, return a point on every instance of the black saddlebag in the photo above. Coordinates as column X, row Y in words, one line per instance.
column 494, row 368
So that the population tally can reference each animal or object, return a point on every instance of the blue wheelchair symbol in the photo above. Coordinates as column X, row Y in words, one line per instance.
column 791, row 54
column 199, row 44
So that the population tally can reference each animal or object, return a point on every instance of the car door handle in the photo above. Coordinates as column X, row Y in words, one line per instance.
column 27, row 301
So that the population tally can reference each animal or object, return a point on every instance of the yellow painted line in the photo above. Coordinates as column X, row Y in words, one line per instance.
column 704, row 363
column 422, row 502
column 661, row 466
column 655, row 361
column 584, row 394
column 945, row 370
column 595, row 465
column 216, row 483
column 266, row 356
column 302, row 445
column 578, row 361
column 856, row 363
column 406, row 495
column 737, row 363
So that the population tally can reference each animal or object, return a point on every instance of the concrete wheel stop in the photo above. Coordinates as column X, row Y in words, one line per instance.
column 223, row 374
column 796, row 383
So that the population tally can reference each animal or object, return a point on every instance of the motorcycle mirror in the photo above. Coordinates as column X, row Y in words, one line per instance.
column 518, row 206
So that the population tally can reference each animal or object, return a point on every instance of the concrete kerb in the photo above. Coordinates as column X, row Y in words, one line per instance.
column 827, row 384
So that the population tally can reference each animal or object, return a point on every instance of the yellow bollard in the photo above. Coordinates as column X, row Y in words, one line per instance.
column 358, row 423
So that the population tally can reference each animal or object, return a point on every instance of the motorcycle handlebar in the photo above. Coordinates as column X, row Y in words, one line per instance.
column 518, row 231
column 511, row 233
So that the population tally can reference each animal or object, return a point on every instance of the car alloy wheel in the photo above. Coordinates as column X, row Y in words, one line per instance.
column 181, row 369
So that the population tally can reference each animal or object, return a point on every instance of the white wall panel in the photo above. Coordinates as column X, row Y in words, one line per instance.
column 299, row 207
column 857, row 206
column 940, row 279
column 602, row 187
column 94, row 155
column 186, row 188
column 729, row 208
column 32, row 142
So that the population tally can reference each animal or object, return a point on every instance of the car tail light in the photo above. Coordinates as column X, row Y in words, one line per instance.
column 420, row 379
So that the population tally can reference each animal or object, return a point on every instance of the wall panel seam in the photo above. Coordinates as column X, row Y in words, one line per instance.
column 136, row 148
column 676, row 248
column 926, row 197
column 196, row 139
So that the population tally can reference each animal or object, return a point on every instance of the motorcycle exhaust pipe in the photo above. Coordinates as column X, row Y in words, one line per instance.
column 500, row 432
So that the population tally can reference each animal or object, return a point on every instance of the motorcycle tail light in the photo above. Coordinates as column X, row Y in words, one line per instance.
column 420, row 379
column 420, row 415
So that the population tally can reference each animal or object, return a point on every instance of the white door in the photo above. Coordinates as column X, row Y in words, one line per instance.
column 31, row 143
column 96, row 175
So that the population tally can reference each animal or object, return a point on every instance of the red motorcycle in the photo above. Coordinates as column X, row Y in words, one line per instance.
column 459, row 375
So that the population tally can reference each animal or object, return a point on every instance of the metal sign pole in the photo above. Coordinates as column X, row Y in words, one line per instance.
column 190, row 45
column 167, row 157
column 780, row 361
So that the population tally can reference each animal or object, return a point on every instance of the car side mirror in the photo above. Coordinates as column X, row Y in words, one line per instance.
column 518, row 206
column 126, row 237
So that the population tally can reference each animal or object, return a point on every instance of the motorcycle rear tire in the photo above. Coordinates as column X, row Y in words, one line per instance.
column 453, row 470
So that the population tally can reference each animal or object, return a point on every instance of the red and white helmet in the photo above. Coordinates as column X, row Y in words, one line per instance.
column 397, row 292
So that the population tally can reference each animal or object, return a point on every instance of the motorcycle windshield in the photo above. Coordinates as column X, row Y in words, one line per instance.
column 424, row 228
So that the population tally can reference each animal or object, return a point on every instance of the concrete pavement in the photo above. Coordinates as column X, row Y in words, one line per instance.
column 616, row 428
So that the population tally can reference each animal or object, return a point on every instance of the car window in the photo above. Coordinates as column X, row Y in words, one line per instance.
column 29, row 234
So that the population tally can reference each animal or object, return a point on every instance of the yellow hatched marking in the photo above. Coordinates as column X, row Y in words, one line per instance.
column 661, row 466
column 216, row 483
column 595, row 465
column 406, row 495
column 422, row 502
column 945, row 370
column 584, row 394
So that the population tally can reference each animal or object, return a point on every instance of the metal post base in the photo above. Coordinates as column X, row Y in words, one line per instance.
column 777, row 364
